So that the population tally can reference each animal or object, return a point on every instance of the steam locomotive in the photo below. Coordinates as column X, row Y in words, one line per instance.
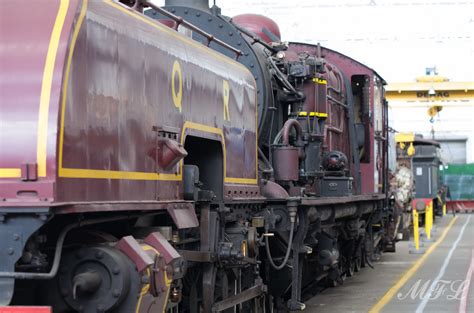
column 172, row 159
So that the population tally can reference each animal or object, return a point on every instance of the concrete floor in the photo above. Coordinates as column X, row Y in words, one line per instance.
column 361, row 292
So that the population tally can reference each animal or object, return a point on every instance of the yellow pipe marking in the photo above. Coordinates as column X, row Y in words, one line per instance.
column 319, row 114
column 320, row 81
column 45, row 97
column 409, row 273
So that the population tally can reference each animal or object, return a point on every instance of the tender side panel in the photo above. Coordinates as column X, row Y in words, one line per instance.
column 129, row 75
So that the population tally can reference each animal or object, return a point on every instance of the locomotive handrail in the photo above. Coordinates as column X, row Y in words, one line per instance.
column 180, row 21
column 255, row 38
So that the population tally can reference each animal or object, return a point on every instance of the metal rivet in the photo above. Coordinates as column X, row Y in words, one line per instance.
column 10, row 251
column 16, row 237
column 115, row 270
column 116, row 293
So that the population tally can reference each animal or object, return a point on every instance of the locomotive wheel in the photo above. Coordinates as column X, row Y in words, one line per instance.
column 224, row 286
column 330, row 283
column 343, row 269
column 342, row 278
column 91, row 268
column 357, row 264
column 93, row 279
column 363, row 263
column 351, row 269
column 406, row 235
column 334, row 278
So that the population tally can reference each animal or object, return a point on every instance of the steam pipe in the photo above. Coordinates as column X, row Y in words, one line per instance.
column 272, row 190
column 288, row 249
column 292, row 209
column 289, row 124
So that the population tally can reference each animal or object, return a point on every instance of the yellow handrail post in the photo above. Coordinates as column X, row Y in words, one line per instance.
column 416, row 234
column 444, row 208
column 429, row 220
